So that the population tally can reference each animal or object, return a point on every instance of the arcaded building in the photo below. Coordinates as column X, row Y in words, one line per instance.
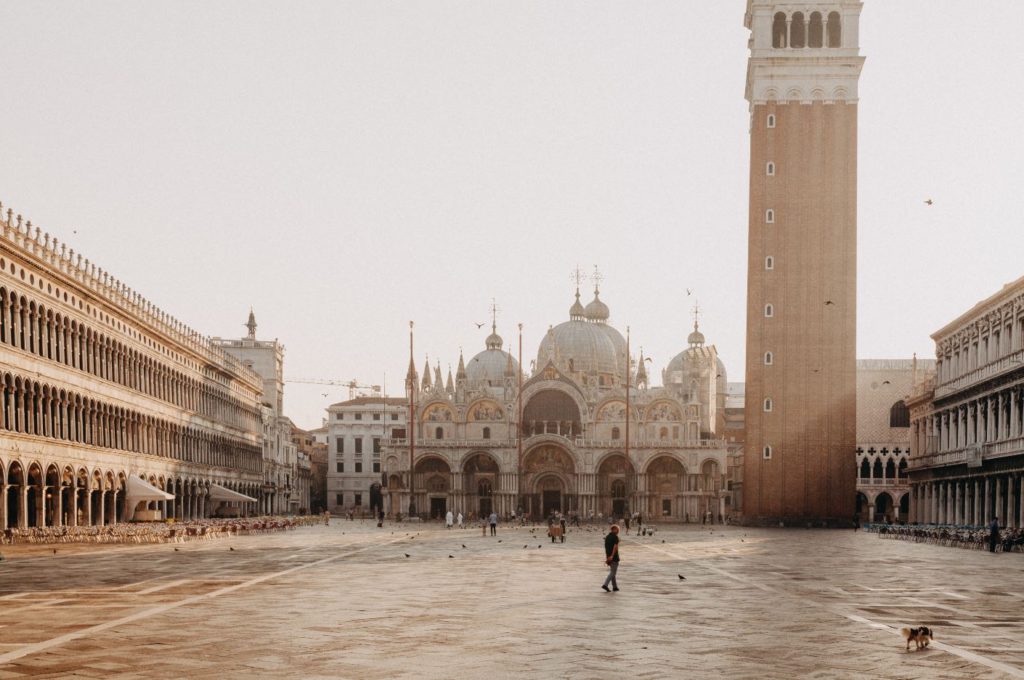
column 967, row 423
column 802, row 79
column 493, row 438
column 112, row 409
column 883, row 435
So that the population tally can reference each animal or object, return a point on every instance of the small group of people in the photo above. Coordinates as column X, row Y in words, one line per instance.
column 451, row 518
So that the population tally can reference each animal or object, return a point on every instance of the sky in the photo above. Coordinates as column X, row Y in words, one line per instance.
column 346, row 167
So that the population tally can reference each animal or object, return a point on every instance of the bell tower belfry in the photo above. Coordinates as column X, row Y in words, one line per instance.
column 802, row 78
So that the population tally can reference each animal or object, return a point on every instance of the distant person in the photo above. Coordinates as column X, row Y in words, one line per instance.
column 993, row 534
column 611, row 558
column 327, row 518
column 856, row 521
column 460, row 520
column 449, row 520
column 561, row 521
column 493, row 521
column 380, row 518
column 639, row 523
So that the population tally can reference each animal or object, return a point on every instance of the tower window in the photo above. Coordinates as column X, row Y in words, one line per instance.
column 768, row 405
column 769, row 359
column 835, row 30
column 816, row 33
column 767, row 453
column 771, row 121
column 769, row 216
column 771, row 169
column 779, row 30
column 769, row 262
column 487, row 433
column 769, row 311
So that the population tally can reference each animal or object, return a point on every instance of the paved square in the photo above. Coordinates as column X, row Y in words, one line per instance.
column 345, row 602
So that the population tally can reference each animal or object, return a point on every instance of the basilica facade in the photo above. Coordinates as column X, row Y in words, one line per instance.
column 566, row 437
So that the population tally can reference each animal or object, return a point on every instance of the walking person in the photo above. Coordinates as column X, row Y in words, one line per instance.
column 639, row 523
column 993, row 534
column 460, row 520
column 493, row 520
column 449, row 520
column 611, row 558
column 561, row 520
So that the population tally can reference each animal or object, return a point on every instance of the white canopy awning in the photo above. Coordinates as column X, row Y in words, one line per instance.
column 220, row 493
column 141, row 490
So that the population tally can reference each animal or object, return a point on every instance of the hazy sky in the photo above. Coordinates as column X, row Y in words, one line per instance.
column 344, row 167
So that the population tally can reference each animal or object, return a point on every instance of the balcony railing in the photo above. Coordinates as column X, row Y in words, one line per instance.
column 974, row 454
column 579, row 441
column 990, row 370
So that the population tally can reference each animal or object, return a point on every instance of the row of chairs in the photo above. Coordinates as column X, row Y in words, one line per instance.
column 955, row 536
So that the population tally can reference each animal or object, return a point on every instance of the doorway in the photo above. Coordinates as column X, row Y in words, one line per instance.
column 438, row 507
column 551, row 501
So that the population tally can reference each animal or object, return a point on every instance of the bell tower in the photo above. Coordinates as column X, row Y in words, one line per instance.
column 802, row 78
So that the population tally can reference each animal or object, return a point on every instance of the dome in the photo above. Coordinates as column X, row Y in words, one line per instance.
column 586, row 346
column 597, row 310
column 696, row 337
column 576, row 312
column 488, row 367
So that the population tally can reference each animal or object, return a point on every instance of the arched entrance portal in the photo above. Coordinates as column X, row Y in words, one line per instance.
column 665, row 483
column 883, row 507
column 862, row 507
column 433, row 484
column 616, row 482
column 549, row 477
column 480, row 480
column 552, row 412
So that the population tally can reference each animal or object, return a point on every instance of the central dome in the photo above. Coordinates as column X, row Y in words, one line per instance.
column 579, row 345
column 488, row 368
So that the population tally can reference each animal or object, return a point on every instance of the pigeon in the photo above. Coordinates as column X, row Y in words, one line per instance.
column 663, row 540
column 929, row 201
column 681, row 577
column 524, row 547
column 407, row 555
column 463, row 545
column 828, row 302
column 54, row 551
column 1, row 558
column 499, row 541
column 886, row 382
column 176, row 549
column 538, row 546
column 451, row 557
column 229, row 548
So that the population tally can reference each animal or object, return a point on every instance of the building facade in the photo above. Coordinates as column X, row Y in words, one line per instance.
column 496, row 439
column 968, row 421
column 281, row 491
column 102, row 390
column 800, row 420
column 883, row 436
column 315, row 452
column 356, row 432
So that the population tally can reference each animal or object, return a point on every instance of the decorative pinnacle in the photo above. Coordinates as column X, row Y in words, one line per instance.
column 597, row 278
column 696, row 315
column 494, row 315
column 577, row 276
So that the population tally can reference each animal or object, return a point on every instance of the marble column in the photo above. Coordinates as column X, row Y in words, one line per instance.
column 977, row 503
column 986, row 515
column 1011, row 506
column 956, row 503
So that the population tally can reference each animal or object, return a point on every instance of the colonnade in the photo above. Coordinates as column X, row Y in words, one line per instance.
column 971, row 500
column 985, row 420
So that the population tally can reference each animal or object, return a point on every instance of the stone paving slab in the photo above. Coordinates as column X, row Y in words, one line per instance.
column 344, row 602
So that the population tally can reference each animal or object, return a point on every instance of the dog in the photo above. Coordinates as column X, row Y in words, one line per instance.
column 920, row 636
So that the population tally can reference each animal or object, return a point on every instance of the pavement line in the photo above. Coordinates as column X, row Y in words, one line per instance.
column 956, row 651
column 162, row 586
column 153, row 611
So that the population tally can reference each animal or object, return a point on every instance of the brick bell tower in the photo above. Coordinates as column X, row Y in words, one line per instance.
column 802, row 79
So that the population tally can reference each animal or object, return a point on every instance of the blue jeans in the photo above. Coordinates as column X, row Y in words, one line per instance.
column 612, row 569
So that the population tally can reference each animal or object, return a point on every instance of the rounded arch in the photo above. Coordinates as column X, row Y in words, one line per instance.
column 552, row 411
column 437, row 411
column 664, row 462
column 663, row 410
column 485, row 410
column 480, row 461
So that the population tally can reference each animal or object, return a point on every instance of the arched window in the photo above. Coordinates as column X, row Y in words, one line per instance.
column 767, row 453
column 769, row 263
column 769, row 359
column 798, row 31
column 878, row 469
column 770, row 169
column 769, row 311
column 835, row 30
column 663, row 433
column 439, row 433
column 487, row 433
column 890, row 470
column 779, row 30
column 771, row 121
column 816, row 33
column 899, row 415
column 865, row 469
column 768, row 405
column 769, row 216
column 615, row 433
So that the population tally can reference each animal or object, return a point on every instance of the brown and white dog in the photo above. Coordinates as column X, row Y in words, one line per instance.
column 921, row 636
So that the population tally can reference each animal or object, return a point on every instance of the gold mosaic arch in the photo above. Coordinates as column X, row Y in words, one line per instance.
column 547, row 458
column 438, row 413
column 613, row 411
column 663, row 410
column 485, row 410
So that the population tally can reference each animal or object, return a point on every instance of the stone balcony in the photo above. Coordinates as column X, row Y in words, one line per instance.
column 991, row 370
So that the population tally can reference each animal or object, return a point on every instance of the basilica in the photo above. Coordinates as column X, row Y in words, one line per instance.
column 584, row 431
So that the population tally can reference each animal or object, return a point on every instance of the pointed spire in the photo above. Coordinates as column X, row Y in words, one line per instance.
column 510, row 370
column 641, row 371
column 460, row 372
column 410, row 375
column 251, row 324
column 426, row 375
column 438, row 380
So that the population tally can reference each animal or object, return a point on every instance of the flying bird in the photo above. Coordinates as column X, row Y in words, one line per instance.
column 928, row 201
column 479, row 325
column 886, row 382
column 828, row 302
column 407, row 555
column 689, row 292
column 681, row 577
column 451, row 557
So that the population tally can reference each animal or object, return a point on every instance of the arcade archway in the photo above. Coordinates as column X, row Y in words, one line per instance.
column 616, row 484
column 549, row 480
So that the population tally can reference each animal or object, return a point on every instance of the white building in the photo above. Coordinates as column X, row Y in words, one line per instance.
column 356, row 430
column 280, row 492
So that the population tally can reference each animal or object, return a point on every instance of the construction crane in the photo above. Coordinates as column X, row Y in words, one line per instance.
column 352, row 385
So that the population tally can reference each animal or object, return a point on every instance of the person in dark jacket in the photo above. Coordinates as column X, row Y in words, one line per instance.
column 611, row 555
column 993, row 534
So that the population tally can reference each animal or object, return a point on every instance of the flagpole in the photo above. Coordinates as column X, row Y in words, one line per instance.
column 519, row 411
column 627, row 393
column 412, row 433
